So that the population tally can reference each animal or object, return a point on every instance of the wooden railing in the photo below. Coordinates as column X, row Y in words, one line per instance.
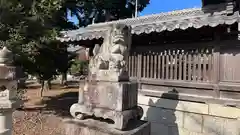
column 195, row 65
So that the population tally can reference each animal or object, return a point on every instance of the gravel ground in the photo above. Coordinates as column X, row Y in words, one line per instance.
column 37, row 123
column 43, row 116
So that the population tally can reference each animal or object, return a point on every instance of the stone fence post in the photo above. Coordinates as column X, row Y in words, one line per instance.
column 8, row 91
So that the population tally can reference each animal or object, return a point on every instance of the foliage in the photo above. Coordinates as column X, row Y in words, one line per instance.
column 21, row 94
column 64, row 60
column 29, row 29
column 103, row 10
column 78, row 66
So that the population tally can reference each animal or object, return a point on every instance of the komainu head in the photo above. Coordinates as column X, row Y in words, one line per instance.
column 120, row 38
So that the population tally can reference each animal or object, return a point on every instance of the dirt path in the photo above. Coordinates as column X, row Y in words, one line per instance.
column 44, row 116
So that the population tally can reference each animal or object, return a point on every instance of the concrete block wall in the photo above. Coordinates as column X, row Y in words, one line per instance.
column 172, row 117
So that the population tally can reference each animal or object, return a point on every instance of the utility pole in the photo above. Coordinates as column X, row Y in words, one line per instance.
column 136, row 8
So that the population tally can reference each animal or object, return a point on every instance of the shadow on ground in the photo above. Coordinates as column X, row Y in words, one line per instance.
column 58, row 105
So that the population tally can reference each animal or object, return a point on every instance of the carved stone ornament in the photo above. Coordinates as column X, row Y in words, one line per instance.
column 109, row 62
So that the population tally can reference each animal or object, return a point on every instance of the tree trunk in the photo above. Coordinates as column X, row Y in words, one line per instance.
column 45, row 85
column 63, row 79
column 49, row 84
column 22, row 83
column 42, row 87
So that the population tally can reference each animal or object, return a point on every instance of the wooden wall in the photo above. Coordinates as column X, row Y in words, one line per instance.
column 208, row 71
column 183, row 64
column 230, row 63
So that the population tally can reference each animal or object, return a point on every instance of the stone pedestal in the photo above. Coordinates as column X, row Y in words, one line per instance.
column 92, row 127
column 116, row 101
column 118, row 96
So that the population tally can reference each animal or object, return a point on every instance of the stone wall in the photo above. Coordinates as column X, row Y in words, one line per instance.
column 173, row 117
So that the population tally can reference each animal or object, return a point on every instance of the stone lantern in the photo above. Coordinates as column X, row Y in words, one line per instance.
column 8, row 91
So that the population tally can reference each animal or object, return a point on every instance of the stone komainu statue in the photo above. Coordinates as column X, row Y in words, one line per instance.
column 109, row 93
column 109, row 62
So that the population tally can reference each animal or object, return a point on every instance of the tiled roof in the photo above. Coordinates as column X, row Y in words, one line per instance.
column 181, row 19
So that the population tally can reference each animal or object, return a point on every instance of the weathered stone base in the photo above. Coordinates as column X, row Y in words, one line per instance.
column 116, row 101
column 93, row 127
column 120, row 118
column 118, row 96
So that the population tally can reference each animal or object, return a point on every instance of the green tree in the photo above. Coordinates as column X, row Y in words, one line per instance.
column 63, row 63
column 29, row 29
column 78, row 66
column 103, row 10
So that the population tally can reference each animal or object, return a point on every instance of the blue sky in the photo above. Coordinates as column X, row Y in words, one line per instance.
column 158, row 6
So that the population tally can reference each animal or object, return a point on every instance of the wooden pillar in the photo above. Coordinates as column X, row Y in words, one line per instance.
column 139, row 66
column 139, row 69
column 216, row 64
column 215, row 67
column 216, row 70
column 239, row 29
